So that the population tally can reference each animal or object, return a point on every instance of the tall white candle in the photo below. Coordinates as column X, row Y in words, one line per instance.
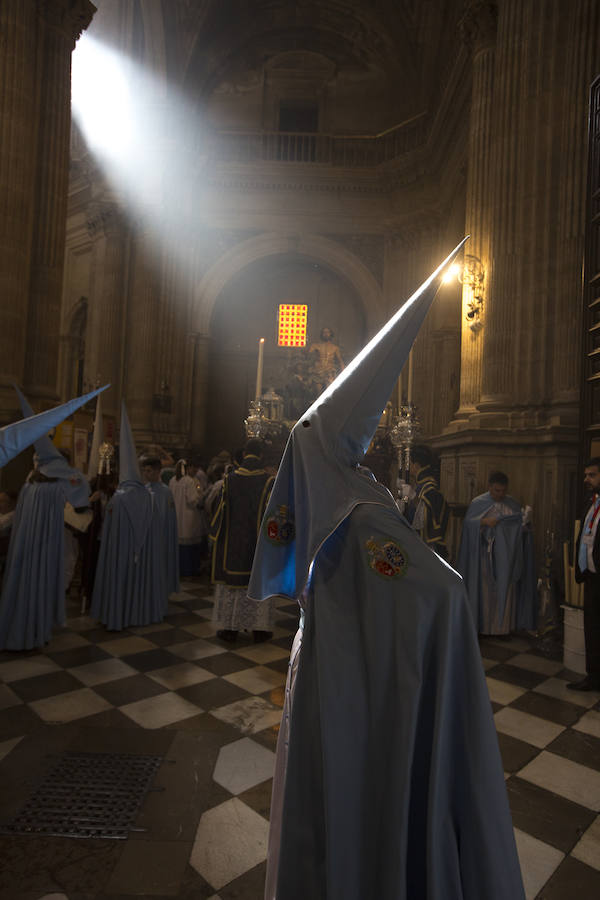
column 399, row 392
column 410, row 376
column 259, row 369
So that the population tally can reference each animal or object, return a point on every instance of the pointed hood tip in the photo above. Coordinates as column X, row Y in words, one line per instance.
column 21, row 434
column 129, row 468
column 318, row 484
column 352, row 405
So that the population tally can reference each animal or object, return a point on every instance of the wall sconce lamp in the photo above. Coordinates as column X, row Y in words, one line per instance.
column 472, row 274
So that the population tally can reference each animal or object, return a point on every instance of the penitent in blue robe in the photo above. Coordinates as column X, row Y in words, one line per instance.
column 393, row 780
column 498, row 567
column 129, row 585
column 388, row 782
column 164, row 536
column 33, row 592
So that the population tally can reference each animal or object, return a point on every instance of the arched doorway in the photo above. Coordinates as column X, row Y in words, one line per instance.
column 246, row 309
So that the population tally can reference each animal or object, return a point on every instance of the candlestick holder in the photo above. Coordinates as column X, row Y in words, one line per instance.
column 256, row 424
column 403, row 436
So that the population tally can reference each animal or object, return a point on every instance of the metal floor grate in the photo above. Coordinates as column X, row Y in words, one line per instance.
column 88, row 795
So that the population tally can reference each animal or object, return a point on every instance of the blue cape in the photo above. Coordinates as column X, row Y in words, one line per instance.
column 33, row 590
column 394, row 785
column 512, row 560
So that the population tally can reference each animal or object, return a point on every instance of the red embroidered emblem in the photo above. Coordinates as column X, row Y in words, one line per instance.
column 387, row 559
column 279, row 528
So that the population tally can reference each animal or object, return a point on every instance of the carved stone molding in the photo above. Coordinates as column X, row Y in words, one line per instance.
column 235, row 184
column 103, row 218
column 71, row 17
column 478, row 24
column 369, row 248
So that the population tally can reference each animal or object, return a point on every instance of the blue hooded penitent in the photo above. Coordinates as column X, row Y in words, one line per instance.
column 33, row 590
column 388, row 780
column 129, row 585
column 20, row 435
column 52, row 464
column 498, row 567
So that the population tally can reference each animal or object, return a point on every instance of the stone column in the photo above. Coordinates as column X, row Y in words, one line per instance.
column 60, row 24
column 17, row 180
column 503, row 275
column 199, row 394
column 478, row 27
column 175, row 346
column 581, row 54
column 105, row 328
column 141, row 378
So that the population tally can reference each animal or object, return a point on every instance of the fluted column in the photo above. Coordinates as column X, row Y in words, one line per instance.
column 142, row 380
column 582, row 63
column 61, row 22
column 478, row 27
column 503, row 275
column 412, row 256
column 105, row 327
column 199, row 394
column 17, row 170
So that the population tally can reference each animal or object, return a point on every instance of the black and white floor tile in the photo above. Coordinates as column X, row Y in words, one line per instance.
column 212, row 710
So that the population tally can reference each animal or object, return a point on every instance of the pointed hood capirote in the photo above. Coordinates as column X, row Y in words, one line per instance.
column 19, row 435
column 319, row 481
column 133, row 495
column 52, row 464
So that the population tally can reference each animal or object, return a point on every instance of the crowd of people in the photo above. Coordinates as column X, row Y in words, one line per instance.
column 129, row 531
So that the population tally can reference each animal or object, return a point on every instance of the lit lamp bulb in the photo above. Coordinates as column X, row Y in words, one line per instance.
column 452, row 272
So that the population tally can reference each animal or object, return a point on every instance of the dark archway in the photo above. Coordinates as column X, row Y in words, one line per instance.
column 246, row 310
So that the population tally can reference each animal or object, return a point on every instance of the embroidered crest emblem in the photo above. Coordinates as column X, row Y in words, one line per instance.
column 387, row 559
column 279, row 528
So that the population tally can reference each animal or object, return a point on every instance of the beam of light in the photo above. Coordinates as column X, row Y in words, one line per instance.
column 101, row 99
column 144, row 138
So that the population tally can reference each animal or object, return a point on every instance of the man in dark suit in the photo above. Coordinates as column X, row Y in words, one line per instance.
column 588, row 571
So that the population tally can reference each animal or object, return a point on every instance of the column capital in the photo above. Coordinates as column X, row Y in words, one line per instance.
column 71, row 17
column 103, row 217
column 478, row 24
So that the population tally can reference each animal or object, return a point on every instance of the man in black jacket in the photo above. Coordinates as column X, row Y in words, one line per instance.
column 588, row 571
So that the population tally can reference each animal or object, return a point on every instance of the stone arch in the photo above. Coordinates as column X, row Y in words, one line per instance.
column 313, row 247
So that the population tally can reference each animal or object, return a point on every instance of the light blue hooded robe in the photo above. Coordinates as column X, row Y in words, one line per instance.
column 33, row 590
column 389, row 783
column 129, row 589
column 498, row 566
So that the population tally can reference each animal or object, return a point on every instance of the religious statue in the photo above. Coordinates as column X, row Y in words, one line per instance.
column 326, row 360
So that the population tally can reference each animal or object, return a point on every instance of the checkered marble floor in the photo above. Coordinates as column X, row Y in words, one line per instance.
column 212, row 710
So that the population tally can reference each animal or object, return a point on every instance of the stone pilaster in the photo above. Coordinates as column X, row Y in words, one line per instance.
column 175, row 346
column 582, row 63
column 60, row 24
column 141, row 378
column 478, row 27
column 18, row 140
column 503, row 275
column 104, row 340
column 199, row 394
